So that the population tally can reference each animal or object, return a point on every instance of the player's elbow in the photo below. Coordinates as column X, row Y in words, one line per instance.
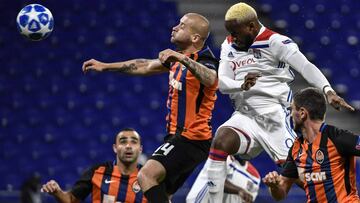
column 278, row 194
column 278, row 198
column 223, row 87
column 212, row 80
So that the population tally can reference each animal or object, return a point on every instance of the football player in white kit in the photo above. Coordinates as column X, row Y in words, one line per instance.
column 241, row 184
column 255, row 71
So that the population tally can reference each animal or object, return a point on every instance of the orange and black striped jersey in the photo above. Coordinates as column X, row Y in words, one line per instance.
column 106, row 184
column 326, row 166
column 189, row 102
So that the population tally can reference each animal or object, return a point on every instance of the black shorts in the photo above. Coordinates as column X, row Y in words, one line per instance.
column 180, row 156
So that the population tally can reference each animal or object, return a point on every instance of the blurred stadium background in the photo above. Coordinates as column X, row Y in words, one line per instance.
column 55, row 121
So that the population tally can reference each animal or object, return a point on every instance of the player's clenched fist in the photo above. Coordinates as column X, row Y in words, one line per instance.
column 250, row 80
column 272, row 179
column 93, row 64
column 51, row 187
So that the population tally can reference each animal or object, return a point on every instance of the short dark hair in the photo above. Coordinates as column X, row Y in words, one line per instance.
column 313, row 101
column 127, row 129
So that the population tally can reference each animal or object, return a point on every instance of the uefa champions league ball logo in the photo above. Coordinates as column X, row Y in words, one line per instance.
column 35, row 22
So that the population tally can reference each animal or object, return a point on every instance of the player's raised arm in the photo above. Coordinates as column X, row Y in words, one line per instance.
column 287, row 51
column 205, row 75
column 131, row 67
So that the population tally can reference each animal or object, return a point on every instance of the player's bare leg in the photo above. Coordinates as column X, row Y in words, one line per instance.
column 150, row 178
column 226, row 142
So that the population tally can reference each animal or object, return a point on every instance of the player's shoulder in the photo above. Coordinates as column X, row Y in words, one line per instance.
column 207, row 58
column 206, row 53
column 229, row 51
column 227, row 43
column 103, row 166
column 279, row 39
column 297, row 144
column 265, row 35
column 334, row 132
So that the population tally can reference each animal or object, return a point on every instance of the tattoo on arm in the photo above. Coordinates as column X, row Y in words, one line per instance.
column 131, row 67
column 128, row 68
column 203, row 74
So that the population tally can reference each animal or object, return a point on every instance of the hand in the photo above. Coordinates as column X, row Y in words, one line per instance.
column 169, row 55
column 250, row 80
column 51, row 187
column 93, row 64
column 245, row 196
column 337, row 102
column 272, row 179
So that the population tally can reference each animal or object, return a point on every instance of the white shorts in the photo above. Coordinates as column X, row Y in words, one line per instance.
column 269, row 131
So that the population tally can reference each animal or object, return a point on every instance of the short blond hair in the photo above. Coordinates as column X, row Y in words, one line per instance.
column 241, row 12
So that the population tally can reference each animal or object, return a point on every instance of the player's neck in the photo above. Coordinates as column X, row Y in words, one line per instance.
column 126, row 169
column 311, row 130
column 190, row 49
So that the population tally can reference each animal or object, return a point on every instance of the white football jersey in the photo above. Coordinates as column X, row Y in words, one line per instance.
column 268, row 55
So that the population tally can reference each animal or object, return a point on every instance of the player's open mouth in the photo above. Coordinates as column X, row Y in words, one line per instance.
column 129, row 153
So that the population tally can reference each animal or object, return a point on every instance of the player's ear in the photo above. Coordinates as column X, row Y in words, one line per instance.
column 303, row 113
column 114, row 148
column 195, row 38
column 251, row 25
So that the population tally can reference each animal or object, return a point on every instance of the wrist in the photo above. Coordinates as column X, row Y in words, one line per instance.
column 184, row 60
column 327, row 89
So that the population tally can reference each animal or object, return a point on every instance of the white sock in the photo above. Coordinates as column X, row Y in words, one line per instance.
column 216, row 173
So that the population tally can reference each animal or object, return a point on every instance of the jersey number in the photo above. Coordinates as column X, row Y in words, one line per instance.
column 165, row 148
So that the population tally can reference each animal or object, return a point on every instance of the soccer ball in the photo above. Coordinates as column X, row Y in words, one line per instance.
column 35, row 22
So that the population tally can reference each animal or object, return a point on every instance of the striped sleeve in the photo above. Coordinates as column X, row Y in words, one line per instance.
column 289, row 168
column 83, row 186
column 346, row 142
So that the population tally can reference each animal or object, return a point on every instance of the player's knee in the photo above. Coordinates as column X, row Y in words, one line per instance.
column 141, row 177
column 227, row 140
column 151, row 172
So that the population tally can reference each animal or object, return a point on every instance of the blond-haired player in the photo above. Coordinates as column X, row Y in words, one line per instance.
column 253, row 54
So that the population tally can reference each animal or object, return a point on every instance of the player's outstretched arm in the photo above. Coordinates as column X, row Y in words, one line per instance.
column 53, row 188
column 279, row 186
column 205, row 75
column 315, row 77
column 132, row 67
column 289, row 53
